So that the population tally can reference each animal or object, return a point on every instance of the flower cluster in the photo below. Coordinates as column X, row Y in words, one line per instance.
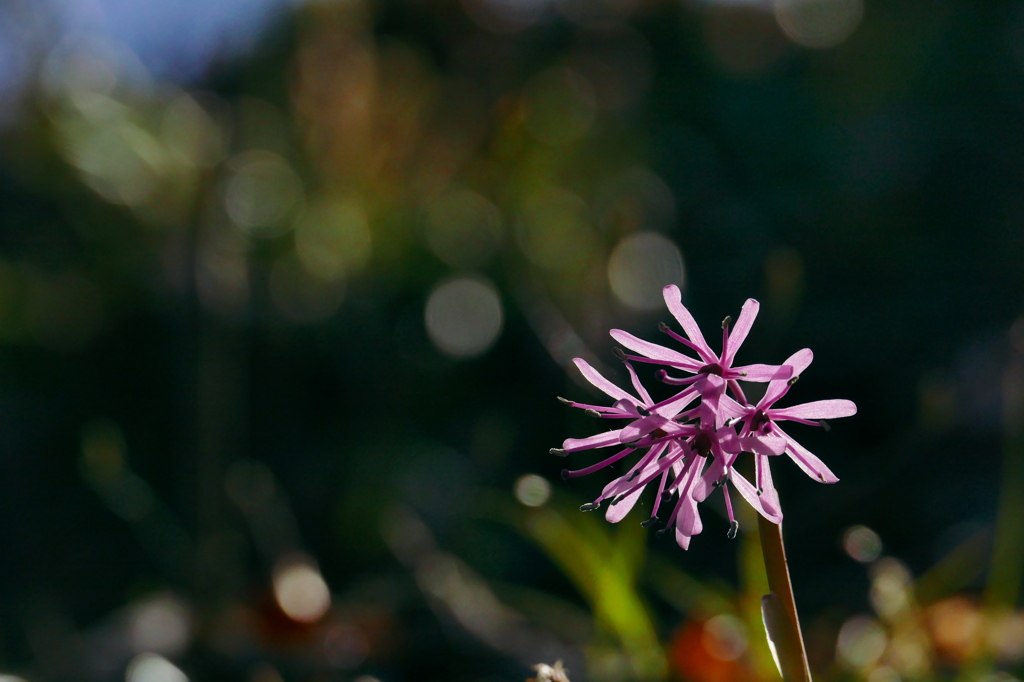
column 691, row 441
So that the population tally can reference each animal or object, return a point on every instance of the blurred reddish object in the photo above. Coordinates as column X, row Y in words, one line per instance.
column 694, row 657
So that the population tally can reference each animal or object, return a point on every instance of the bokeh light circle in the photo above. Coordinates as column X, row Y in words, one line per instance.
column 532, row 490
column 861, row 642
column 819, row 23
column 153, row 668
column 262, row 193
column 862, row 544
column 300, row 590
column 464, row 316
column 641, row 265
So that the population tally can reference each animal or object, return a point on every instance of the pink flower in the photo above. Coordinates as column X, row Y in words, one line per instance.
column 692, row 451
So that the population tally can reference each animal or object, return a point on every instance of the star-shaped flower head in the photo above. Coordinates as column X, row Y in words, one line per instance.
column 676, row 456
column 692, row 451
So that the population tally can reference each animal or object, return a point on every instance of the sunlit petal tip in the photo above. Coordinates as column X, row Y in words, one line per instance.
column 819, row 409
column 598, row 381
column 800, row 360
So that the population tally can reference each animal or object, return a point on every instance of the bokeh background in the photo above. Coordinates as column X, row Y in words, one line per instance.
column 288, row 289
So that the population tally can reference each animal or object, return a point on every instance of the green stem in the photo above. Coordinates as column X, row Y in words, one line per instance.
column 780, row 608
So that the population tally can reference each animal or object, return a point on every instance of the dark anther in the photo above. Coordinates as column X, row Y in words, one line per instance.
column 643, row 411
column 649, row 522
column 727, row 321
column 824, row 425
column 795, row 378
column 632, row 477
column 590, row 506
column 620, row 354
column 565, row 474
column 760, row 491
column 565, row 401
column 734, row 528
column 713, row 368
column 559, row 452
column 591, row 412
column 660, row 375
column 666, row 496
column 617, row 499
column 659, row 533
column 662, row 327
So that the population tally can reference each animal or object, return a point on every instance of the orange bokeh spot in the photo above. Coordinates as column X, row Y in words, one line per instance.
column 693, row 660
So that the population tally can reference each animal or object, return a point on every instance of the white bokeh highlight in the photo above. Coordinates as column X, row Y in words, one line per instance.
column 464, row 316
column 641, row 265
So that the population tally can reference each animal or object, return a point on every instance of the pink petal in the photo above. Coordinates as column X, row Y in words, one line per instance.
column 674, row 301
column 601, row 440
column 738, row 333
column 677, row 403
column 769, row 495
column 807, row 461
column 688, row 521
column 749, row 493
column 640, row 390
column 711, row 392
column 761, row 373
column 706, row 483
column 616, row 512
column 730, row 409
column 799, row 361
column 819, row 409
column 655, row 352
column 595, row 378
column 641, row 427
column 763, row 445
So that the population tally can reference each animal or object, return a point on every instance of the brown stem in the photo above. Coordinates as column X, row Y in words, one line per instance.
column 780, row 608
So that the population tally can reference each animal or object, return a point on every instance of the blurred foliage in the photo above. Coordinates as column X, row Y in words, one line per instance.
column 286, row 297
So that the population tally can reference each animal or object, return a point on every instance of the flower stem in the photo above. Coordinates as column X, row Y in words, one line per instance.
column 779, row 607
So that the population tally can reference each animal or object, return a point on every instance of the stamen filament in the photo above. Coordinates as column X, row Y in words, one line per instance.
column 567, row 474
